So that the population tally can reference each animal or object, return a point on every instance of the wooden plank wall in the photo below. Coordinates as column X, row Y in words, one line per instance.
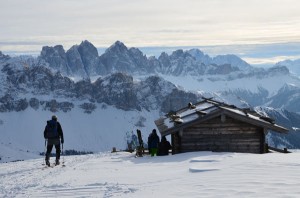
column 176, row 143
column 228, row 136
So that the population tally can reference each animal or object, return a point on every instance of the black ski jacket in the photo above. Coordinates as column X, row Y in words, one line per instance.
column 59, row 130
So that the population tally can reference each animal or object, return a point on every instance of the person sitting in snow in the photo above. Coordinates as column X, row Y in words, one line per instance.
column 53, row 133
column 153, row 141
column 164, row 146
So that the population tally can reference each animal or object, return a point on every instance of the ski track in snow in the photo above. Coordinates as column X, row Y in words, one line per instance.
column 197, row 174
column 33, row 178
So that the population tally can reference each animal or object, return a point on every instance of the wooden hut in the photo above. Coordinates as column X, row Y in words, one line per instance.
column 210, row 125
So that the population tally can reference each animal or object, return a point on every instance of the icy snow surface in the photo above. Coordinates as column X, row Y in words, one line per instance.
column 197, row 174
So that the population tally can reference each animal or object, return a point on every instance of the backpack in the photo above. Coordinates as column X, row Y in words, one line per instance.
column 51, row 129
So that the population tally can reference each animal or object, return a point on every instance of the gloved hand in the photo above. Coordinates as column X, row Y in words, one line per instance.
column 62, row 141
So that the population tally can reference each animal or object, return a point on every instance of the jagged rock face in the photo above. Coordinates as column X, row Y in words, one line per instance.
column 152, row 91
column 192, row 62
column 56, row 58
column 178, row 63
column 165, row 63
column 289, row 120
column 117, row 89
column 288, row 97
column 178, row 99
column 121, row 59
column 84, row 89
column 79, row 60
column 75, row 62
column 200, row 56
column 155, row 65
column 116, row 58
column 83, row 61
column 37, row 80
column 140, row 61
column 89, row 56
column 182, row 63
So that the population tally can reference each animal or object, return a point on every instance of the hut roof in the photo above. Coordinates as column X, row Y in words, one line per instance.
column 208, row 109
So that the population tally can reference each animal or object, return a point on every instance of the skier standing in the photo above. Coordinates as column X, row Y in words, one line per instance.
column 54, row 135
column 153, row 141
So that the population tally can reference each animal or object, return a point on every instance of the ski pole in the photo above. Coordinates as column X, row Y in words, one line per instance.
column 45, row 151
column 62, row 152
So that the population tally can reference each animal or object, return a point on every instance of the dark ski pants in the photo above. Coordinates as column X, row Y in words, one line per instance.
column 49, row 149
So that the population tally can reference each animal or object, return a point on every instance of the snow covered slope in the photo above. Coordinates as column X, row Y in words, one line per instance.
column 198, row 174
column 22, row 132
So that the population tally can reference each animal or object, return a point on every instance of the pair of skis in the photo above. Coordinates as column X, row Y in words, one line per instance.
column 53, row 165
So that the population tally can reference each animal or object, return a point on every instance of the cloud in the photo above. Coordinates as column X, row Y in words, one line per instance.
column 207, row 22
column 252, row 29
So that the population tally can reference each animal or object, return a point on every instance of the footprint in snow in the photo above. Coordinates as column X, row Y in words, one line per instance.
column 204, row 165
column 202, row 160
column 199, row 170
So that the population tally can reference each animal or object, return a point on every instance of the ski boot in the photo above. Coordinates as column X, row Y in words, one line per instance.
column 57, row 162
column 47, row 163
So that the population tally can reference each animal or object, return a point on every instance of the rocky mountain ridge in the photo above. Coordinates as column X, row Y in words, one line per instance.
column 83, row 61
column 117, row 89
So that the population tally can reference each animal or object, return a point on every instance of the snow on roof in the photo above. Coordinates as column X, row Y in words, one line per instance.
column 207, row 107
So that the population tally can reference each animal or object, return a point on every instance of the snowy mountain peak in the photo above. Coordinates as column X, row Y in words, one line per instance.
column 56, row 50
column 200, row 56
column 292, row 65
column 83, row 61
column 233, row 60
column 89, row 57
column 117, row 47
column 87, row 47
column 56, row 58
column 229, row 59
column 180, row 53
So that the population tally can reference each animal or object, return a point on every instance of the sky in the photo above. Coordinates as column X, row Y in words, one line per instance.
column 231, row 26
